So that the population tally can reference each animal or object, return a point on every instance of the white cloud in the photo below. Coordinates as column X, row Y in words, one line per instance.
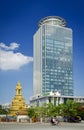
column 10, row 60
column 12, row 46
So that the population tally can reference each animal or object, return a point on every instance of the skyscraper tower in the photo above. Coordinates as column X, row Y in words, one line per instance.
column 53, row 65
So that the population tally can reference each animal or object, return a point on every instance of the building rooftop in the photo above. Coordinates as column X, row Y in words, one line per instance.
column 53, row 20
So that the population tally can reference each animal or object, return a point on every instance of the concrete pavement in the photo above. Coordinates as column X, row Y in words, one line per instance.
column 41, row 126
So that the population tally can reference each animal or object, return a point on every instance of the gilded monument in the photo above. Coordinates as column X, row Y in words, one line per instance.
column 18, row 106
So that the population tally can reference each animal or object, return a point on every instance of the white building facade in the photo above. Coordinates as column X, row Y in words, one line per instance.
column 55, row 99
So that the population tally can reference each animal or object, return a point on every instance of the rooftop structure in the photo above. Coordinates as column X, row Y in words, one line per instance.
column 53, row 20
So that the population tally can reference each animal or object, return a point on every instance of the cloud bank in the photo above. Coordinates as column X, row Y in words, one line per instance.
column 9, row 60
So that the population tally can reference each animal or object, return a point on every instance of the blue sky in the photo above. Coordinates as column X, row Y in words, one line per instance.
column 18, row 23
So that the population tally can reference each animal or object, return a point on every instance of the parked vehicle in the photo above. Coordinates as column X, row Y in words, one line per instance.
column 72, row 119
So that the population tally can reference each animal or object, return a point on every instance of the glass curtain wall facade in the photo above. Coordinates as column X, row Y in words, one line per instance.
column 53, row 66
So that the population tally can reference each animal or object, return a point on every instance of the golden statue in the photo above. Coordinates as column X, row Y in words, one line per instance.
column 18, row 103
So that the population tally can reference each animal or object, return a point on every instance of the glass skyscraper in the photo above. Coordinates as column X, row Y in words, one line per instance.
column 53, row 63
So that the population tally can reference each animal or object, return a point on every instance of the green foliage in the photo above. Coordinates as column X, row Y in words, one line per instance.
column 0, row 107
column 80, row 110
column 70, row 108
column 59, row 109
column 42, row 110
column 3, row 111
column 31, row 112
column 49, row 110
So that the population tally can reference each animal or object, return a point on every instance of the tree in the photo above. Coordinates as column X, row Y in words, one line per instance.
column 31, row 112
column 3, row 111
column 80, row 110
column 0, row 107
column 70, row 108
column 51, row 110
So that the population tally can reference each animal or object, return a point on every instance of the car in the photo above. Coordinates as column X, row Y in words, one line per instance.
column 72, row 119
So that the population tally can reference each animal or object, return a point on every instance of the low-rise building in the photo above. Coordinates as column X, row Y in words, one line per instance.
column 54, row 98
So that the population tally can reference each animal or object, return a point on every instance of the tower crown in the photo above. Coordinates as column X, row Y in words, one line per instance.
column 18, row 86
column 18, row 89
column 53, row 20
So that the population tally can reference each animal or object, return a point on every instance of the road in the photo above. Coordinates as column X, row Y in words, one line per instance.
column 43, row 126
